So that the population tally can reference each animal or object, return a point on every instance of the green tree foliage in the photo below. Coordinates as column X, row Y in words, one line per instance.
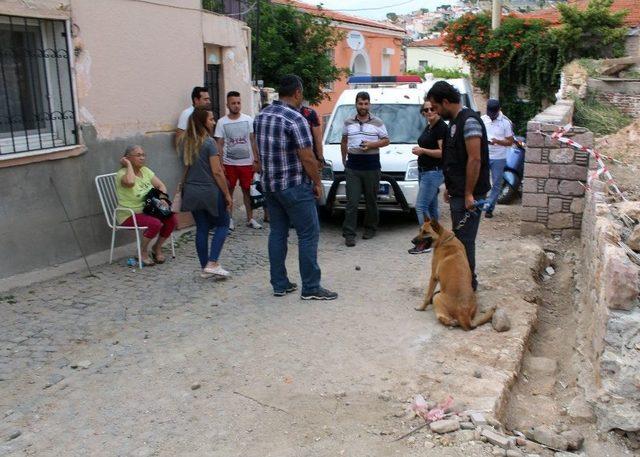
column 393, row 17
column 298, row 43
column 530, row 55
column 595, row 32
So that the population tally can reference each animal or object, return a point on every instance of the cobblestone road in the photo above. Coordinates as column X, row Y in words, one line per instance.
column 162, row 362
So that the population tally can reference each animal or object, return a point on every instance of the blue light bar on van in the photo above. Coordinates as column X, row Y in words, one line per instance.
column 383, row 79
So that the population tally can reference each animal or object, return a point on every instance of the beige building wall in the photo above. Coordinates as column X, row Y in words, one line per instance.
column 133, row 65
column 436, row 57
column 137, row 62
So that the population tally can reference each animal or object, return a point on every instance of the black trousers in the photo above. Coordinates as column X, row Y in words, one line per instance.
column 467, row 233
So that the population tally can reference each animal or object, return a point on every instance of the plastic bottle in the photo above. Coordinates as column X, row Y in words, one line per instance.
column 132, row 262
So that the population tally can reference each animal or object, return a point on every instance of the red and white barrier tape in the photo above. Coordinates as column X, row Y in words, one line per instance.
column 601, row 170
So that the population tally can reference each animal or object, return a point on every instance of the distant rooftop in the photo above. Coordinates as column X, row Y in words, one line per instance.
column 552, row 15
column 337, row 16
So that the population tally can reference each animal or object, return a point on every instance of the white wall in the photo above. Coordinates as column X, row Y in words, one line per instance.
column 436, row 57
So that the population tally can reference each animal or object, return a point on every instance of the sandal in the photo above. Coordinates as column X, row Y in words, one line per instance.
column 157, row 259
column 145, row 263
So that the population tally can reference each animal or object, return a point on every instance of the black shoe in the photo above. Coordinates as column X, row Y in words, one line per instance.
column 320, row 294
column 488, row 214
column 292, row 287
column 350, row 242
column 368, row 235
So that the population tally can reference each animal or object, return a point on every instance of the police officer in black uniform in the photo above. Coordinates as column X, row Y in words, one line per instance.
column 465, row 158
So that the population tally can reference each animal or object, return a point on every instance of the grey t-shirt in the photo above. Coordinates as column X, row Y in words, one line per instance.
column 200, row 190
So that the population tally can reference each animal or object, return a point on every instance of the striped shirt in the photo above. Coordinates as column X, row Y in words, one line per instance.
column 281, row 131
column 356, row 131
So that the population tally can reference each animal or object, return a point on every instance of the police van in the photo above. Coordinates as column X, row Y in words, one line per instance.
column 397, row 101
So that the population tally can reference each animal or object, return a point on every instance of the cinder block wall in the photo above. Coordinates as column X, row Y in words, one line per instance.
column 554, row 175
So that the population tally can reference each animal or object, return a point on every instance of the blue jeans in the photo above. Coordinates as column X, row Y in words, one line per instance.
column 497, row 169
column 294, row 206
column 427, row 199
column 467, row 233
column 204, row 223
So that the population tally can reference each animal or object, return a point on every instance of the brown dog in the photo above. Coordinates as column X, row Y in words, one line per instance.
column 455, row 304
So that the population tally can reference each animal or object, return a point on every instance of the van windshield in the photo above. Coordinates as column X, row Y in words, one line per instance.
column 404, row 122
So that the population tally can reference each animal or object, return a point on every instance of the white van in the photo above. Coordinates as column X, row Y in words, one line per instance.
column 398, row 105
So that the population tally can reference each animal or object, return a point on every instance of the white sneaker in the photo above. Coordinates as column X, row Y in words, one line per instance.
column 232, row 226
column 216, row 271
column 254, row 224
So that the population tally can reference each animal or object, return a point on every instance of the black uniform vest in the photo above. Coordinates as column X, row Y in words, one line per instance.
column 454, row 157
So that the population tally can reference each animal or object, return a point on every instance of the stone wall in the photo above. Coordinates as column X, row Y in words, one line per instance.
column 554, row 175
column 610, row 315
column 621, row 93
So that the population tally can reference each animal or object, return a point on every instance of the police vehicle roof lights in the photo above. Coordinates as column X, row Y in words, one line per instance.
column 384, row 80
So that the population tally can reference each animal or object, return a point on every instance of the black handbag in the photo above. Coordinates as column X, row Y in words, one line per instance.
column 157, row 204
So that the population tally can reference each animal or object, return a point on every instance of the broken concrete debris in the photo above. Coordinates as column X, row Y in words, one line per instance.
column 457, row 427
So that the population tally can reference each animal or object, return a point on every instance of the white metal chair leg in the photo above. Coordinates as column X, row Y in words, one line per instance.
column 113, row 243
column 173, row 248
column 140, row 262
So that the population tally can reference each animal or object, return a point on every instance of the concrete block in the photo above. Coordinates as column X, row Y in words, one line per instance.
column 530, row 185
column 562, row 155
column 584, row 139
column 498, row 439
column 560, row 221
column 555, row 205
column 536, row 170
column 577, row 206
column 533, row 155
column 567, row 172
column 567, row 187
column 534, row 200
column 548, row 437
column 534, row 140
column 478, row 419
column 551, row 186
column 620, row 280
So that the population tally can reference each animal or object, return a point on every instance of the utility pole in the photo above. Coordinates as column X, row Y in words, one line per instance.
column 256, row 62
column 496, row 13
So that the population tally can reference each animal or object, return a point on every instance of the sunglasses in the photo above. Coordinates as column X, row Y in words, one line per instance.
column 426, row 110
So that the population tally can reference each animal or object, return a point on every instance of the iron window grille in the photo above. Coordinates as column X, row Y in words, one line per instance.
column 36, row 93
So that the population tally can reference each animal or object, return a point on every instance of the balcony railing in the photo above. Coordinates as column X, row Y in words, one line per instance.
column 238, row 9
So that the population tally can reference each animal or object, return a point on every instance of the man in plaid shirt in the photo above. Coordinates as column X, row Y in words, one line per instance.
column 291, row 183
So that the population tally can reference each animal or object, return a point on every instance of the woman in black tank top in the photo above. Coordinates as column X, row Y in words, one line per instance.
column 429, row 152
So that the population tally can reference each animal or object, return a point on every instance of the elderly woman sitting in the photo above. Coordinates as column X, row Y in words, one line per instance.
column 133, row 182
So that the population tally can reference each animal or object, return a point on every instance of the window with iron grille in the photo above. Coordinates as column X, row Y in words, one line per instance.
column 36, row 94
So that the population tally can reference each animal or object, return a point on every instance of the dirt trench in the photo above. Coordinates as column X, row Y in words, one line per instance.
column 547, row 391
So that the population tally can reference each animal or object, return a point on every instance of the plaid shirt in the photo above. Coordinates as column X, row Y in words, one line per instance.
column 280, row 132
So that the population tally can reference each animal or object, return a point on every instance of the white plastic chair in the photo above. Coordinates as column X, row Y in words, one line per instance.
column 106, row 185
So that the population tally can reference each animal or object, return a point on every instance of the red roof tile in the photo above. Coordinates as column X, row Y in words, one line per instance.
column 337, row 16
column 431, row 42
column 632, row 19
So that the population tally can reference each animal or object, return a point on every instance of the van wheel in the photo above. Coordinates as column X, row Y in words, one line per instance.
column 507, row 194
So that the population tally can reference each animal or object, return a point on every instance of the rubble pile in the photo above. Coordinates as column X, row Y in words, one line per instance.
column 450, row 428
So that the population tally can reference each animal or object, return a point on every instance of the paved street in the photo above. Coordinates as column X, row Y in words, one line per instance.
column 162, row 362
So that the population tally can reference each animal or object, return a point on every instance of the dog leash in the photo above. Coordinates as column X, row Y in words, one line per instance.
column 478, row 205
